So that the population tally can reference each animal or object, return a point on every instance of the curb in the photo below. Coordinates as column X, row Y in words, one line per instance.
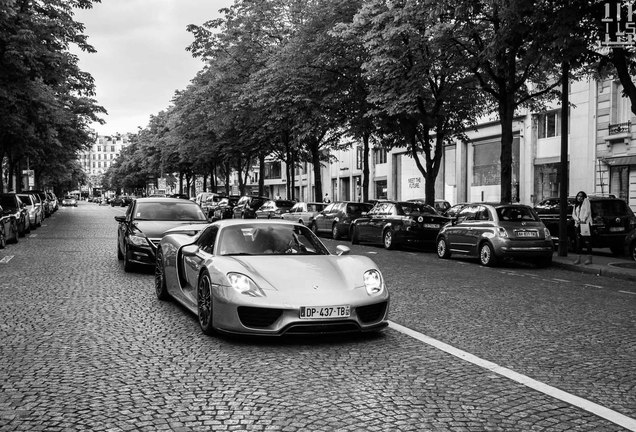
column 605, row 271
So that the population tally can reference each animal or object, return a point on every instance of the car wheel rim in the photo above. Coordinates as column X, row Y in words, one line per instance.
column 388, row 239
column 441, row 248
column 485, row 254
column 159, row 275
column 204, row 301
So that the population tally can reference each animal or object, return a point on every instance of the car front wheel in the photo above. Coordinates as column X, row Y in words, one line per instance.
column 487, row 255
column 204, row 303
column 442, row 249
column 3, row 240
column 128, row 266
column 388, row 240
column 632, row 250
column 355, row 237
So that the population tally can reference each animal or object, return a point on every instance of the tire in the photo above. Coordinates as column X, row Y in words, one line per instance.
column 487, row 255
column 335, row 232
column 39, row 224
column 543, row 262
column 16, row 232
column 161, row 289
column 120, row 256
column 355, row 239
column 632, row 250
column 3, row 239
column 387, row 239
column 128, row 266
column 314, row 228
column 443, row 250
column 204, row 303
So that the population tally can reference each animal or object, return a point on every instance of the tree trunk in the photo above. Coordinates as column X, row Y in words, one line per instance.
column 365, row 167
column 506, row 115
column 261, row 176
column 315, row 160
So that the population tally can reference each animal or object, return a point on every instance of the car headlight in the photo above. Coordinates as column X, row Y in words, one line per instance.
column 138, row 240
column 373, row 282
column 548, row 236
column 244, row 285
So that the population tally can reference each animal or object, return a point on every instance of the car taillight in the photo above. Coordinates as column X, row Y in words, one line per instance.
column 501, row 231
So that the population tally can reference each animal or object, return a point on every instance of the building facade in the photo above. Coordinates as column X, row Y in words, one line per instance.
column 96, row 160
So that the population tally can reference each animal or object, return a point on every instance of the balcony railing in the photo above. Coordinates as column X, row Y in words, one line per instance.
column 618, row 128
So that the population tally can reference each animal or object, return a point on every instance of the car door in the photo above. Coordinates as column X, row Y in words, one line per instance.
column 320, row 219
column 481, row 226
column 459, row 233
column 331, row 215
column 192, row 259
column 377, row 220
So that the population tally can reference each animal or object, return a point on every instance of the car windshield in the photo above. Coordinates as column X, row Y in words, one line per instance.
column 180, row 211
column 516, row 214
column 409, row 208
column 269, row 239
column 609, row 208
column 284, row 204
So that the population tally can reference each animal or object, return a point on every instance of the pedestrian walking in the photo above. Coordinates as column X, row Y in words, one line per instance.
column 582, row 215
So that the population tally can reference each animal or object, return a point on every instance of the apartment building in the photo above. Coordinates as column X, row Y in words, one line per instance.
column 601, row 158
column 96, row 160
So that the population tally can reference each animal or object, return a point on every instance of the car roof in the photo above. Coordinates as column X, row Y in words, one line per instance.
column 231, row 222
column 163, row 199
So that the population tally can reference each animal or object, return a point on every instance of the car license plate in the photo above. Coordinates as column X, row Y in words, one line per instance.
column 316, row 312
column 527, row 234
column 431, row 225
column 617, row 229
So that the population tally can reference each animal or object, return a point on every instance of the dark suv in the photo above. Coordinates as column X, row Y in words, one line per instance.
column 246, row 207
column 337, row 218
column 612, row 219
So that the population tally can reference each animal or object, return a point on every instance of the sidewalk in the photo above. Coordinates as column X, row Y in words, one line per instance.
column 603, row 264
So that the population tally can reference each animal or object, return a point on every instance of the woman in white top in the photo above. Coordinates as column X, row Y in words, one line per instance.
column 582, row 214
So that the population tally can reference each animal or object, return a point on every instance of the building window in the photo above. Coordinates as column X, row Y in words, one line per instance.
column 379, row 156
column 381, row 189
column 99, row 148
column 550, row 124
column 112, row 148
column 619, row 182
column 272, row 170
column 487, row 159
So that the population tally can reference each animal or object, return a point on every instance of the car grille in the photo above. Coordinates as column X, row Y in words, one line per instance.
column 331, row 327
column 258, row 317
column 371, row 313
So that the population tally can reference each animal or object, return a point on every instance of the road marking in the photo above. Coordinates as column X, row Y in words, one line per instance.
column 33, row 235
column 561, row 280
column 596, row 409
column 627, row 292
column 6, row 259
column 592, row 286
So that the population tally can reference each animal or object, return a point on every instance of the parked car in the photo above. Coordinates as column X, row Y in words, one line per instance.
column 337, row 218
column 612, row 219
column 630, row 244
column 202, row 196
column 304, row 212
column 224, row 208
column 69, row 200
column 247, row 205
column 209, row 204
column 230, row 276
column 179, row 195
column 13, row 206
column 34, row 209
column 44, row 202
column 53, row 201
column 439, row 205
column 8, row 228
column 395, row 223
column 118, row 201
column 144, row 223
column 274, row 209
column 492, row 232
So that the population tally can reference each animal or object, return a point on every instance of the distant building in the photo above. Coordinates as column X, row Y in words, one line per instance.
column 99, row 158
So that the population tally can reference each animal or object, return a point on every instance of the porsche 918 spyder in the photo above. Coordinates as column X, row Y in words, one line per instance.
column 269, row 277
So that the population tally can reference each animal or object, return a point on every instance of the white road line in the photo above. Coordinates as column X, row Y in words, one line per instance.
column 33, row 235
column 6, row 259
column 592, row 286
column 628, row 292
column 596, row 409
column 561, row 280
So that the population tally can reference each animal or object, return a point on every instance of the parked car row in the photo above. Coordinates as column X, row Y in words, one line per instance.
column 22, row 212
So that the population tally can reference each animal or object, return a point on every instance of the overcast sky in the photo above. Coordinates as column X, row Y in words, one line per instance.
column 141, row 57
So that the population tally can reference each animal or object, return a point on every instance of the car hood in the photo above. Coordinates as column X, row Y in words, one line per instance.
column 303, row 276
column 156, row 229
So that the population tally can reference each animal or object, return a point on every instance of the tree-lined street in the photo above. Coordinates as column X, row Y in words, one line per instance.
column 87, row 346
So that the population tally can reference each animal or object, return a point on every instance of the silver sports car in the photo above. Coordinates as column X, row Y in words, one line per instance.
column 270, row 278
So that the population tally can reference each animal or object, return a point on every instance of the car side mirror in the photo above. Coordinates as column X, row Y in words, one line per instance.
column 120, row 219
column 342, row 250
column 190, row 250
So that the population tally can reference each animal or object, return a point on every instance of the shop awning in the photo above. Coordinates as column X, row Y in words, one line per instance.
column 621, row 160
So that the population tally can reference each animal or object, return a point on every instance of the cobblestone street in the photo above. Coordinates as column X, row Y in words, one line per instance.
column 86, row 346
